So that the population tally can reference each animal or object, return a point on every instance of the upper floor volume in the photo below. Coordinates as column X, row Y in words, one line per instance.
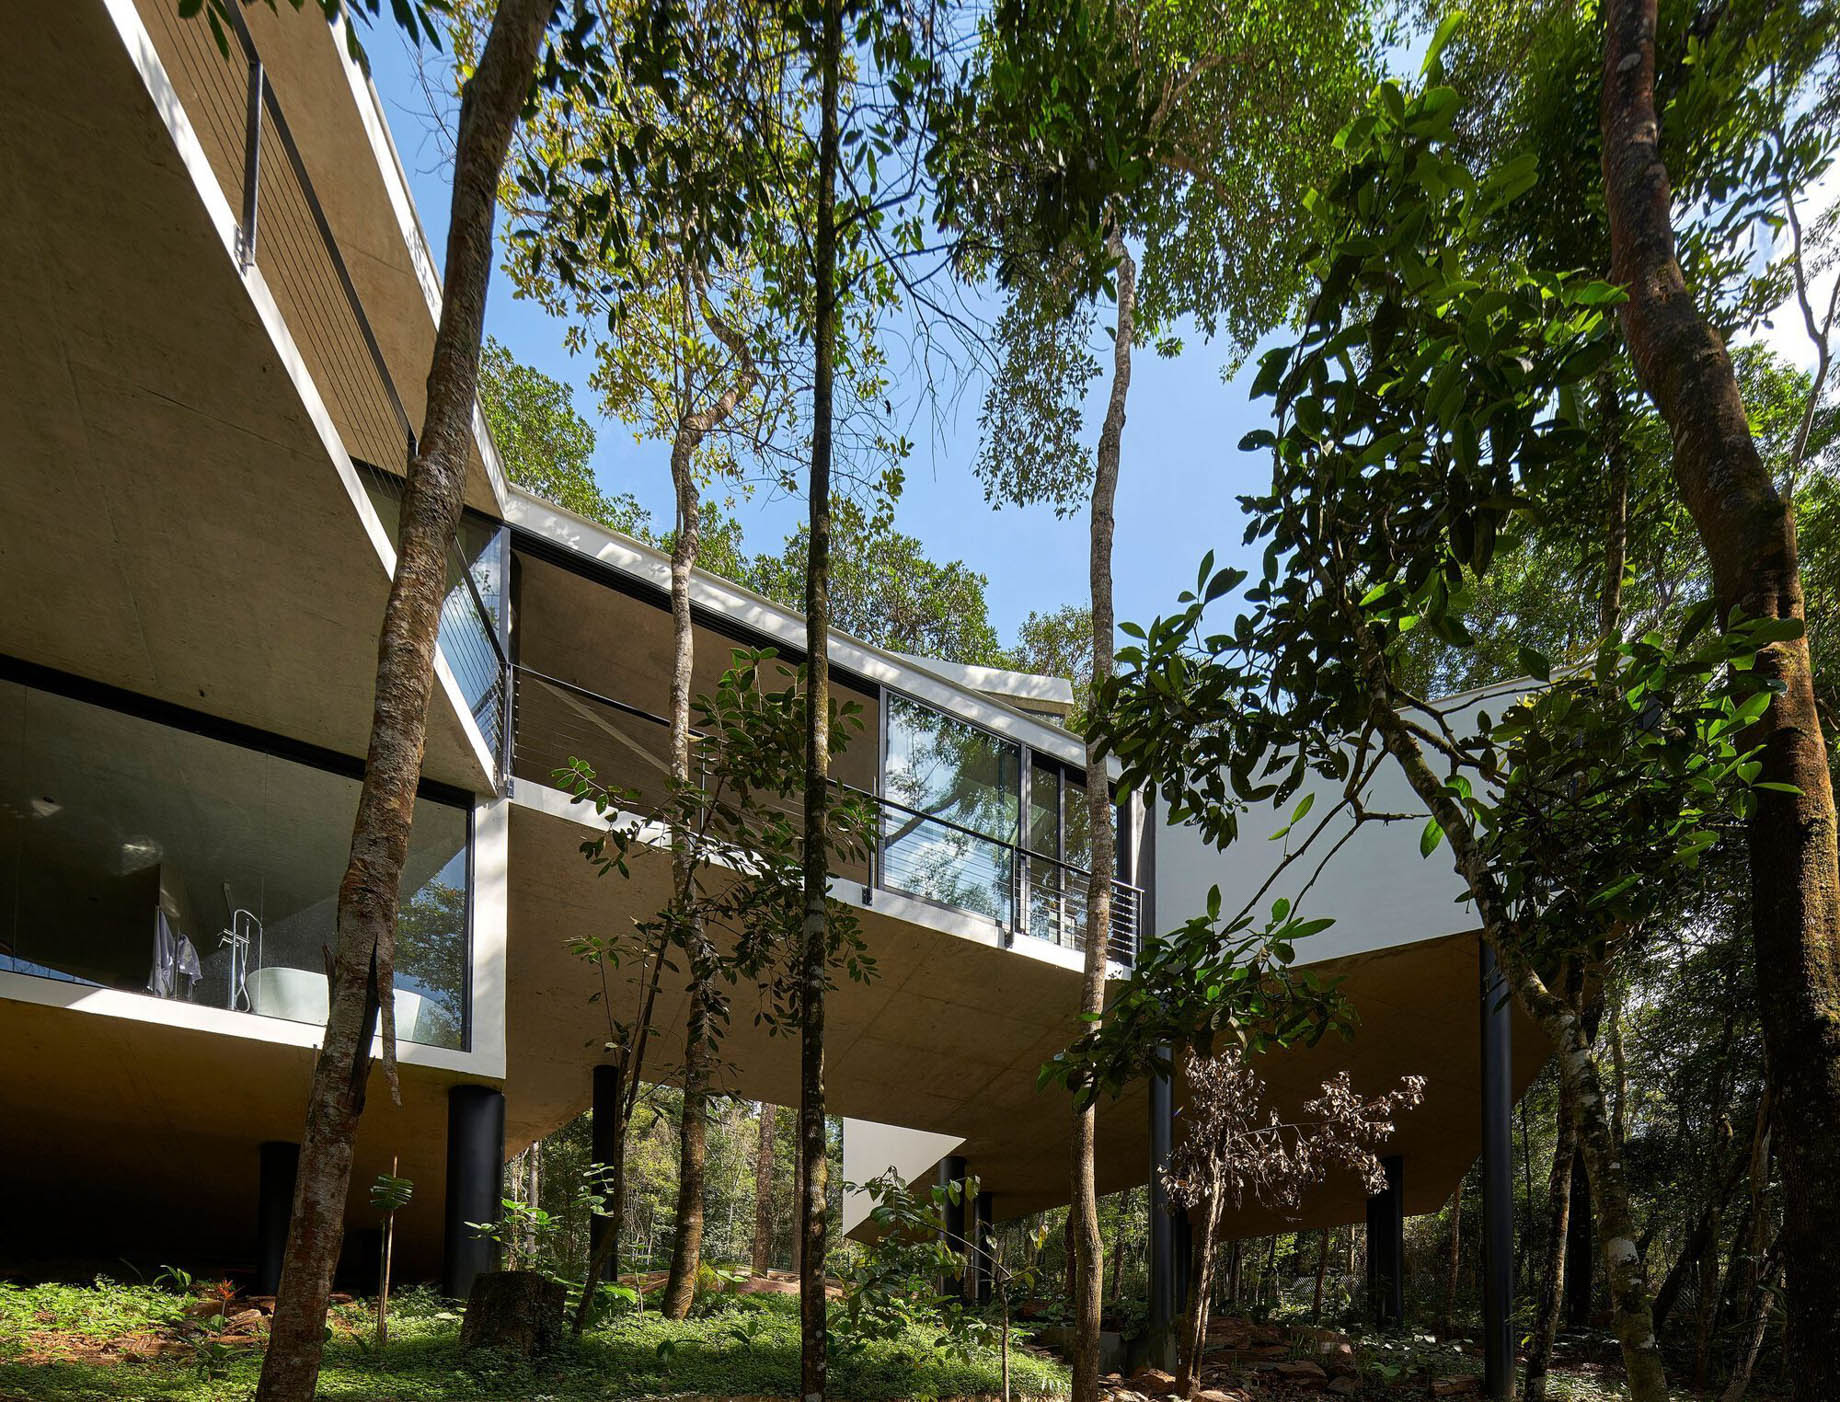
column 181, row 718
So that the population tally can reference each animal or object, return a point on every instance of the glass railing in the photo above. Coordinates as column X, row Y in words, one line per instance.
column 916, row 854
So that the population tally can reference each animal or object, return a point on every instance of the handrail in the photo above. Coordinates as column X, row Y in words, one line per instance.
column 1124, row 922
column 273, row 106
column 386, row 416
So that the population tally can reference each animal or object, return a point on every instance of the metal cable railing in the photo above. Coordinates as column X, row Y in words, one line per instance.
column 282, row 228
column 915, row 854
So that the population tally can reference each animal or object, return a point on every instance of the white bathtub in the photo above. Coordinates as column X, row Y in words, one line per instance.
column 299, row 995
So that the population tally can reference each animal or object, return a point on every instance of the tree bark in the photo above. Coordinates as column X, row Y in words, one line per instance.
column 814, row 957
column 1200, row 1289
column 1760, row 1322
column 1456, row 1260
column 1551, row 1300
column 687, row 1238
column 1089, row 1272
column 763, row 1194
column 1322, row 1264
column 362, row 982
column 1124, row 1217
column 1749, row 535
column 1560, row 1020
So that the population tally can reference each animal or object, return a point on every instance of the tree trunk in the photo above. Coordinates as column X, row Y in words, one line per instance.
column 1322, row 1264
column 814, row 1332
column 763, row 1194
column 1456, row 1258
column 514, row 1312
column 615, row 1187
column 1760, row 1322
column 1124, row 1217
column 687, row 1224
column 798, row 1198
column 1560, row 1020
column 1200, row 1290
column 1749, row 535
column 534, row 1189
column 363, row 976
column 1550, row 1303
column 1089, row 1273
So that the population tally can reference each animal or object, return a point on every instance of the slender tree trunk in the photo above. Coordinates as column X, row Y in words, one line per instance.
column 363, row 976
column 763, row 1194
column 1749, row 534
column 1200, row 1292
column 1124, row 1217
column 1456, row 1258
column 1322, row 1267
column 1550, row 1304
column 814, row 1331
column 1760, row 1323
column 1089, row 1275
column 534, row 1188
column 693, row 1126
column 614, row 1186
column 798, row 1197
column 1559, row 1019
column 1749, row 1250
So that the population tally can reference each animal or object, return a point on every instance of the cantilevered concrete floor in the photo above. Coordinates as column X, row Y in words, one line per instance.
column 172, row 522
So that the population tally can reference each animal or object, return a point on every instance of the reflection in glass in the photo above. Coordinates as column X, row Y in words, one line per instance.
column 951, row 838
column 140, row 857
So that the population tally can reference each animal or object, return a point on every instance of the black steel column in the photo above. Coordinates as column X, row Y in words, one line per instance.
column 279, row 1163
column 1386, row 1247
column 604, row 1126
column 475, row 1183
column 1497, row 1184
column 984, row 1237
column 1165, row 1287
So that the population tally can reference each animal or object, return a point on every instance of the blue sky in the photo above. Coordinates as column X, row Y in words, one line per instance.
column 1180, row 477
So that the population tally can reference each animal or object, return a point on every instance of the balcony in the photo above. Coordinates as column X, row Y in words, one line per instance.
column 960, row 853
column 284, row 233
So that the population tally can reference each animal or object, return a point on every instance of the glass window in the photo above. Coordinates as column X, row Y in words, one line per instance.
column 474, row 615
column 955, row 793
column 141, row 857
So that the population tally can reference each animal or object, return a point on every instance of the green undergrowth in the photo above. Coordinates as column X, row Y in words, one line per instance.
column 61, row 1342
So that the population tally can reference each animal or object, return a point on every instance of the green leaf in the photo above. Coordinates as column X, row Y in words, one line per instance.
column 1430, row 837
column 1534, row 663
column 1440, row 39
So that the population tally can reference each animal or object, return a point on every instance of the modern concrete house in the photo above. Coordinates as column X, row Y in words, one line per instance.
column 218, row 306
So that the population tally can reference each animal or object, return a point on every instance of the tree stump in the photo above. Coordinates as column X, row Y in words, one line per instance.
column 515, row 1312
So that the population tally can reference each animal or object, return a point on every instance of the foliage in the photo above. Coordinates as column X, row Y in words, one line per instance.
column 632, row 1356
column 1235, row 1148
column 742, row 838
column 886, row 590
column 1208, row 984
column 892, row 1288
column 545, row 446
column 1187, row 133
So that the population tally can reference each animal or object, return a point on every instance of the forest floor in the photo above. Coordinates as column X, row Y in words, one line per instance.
column 64, row 1343
column 1256, row 1361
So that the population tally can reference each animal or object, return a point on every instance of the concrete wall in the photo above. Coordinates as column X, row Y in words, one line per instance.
column 1378, row 889
column 870, row 1149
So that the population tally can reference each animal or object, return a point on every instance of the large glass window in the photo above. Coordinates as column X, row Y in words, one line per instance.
column 1059, row 853
column 141, row 857
column 950, row 830
column 475, row 614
